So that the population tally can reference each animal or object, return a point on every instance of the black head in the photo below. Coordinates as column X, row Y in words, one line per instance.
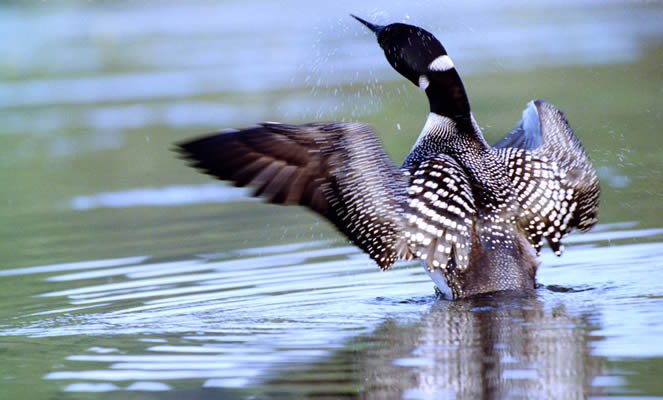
column 417, row 55
column 408, row 48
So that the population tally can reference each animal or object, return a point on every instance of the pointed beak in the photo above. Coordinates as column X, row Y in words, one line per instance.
column 375, row 28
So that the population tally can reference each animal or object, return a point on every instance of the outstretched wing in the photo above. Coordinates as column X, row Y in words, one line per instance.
column 555, row 183
column 339, row 170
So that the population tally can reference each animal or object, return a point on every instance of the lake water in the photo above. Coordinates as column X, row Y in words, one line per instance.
column 126, row 274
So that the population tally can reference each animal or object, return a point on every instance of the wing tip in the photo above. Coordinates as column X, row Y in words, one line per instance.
column 181, row 150
column 194, row 148
column 539, row 102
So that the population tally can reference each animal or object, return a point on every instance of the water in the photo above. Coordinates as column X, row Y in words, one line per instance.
column 289, row 318
column 125, row 272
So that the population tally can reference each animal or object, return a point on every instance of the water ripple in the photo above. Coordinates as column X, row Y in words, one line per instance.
column 271, row 308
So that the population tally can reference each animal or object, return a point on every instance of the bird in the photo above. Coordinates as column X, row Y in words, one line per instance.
column 474, row 215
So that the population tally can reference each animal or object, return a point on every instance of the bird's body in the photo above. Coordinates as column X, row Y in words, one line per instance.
column 474, row 214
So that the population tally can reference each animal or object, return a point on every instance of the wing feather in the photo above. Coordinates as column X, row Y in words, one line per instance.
column 339, row 170
column 556, row 185
column 440, row 214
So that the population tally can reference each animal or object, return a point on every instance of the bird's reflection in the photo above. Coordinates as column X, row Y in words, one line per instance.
column 499, row 346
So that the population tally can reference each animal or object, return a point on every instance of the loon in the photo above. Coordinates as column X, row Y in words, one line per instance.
column 475, row 215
